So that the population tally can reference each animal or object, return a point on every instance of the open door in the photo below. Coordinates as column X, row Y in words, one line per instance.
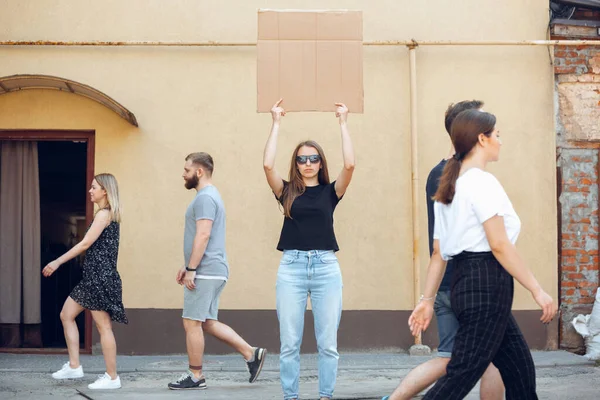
column 64, row 163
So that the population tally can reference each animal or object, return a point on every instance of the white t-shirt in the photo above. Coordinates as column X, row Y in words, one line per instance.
column 459, row 225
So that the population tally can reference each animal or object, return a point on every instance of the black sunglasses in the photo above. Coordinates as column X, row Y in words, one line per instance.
column 315, row 158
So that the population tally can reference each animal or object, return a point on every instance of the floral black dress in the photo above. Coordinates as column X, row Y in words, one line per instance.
column 100, row 289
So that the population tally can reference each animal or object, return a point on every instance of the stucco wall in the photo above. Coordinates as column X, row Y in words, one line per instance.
column 192, row 99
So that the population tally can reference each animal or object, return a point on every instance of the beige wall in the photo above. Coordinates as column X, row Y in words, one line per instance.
column 191, row 99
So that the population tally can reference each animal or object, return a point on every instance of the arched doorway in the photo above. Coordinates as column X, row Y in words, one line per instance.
column 65, row 167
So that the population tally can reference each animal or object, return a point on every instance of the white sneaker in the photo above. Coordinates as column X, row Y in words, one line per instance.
column 106, row 382
column 66, row 372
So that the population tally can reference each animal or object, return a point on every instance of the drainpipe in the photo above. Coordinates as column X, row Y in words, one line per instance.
column 417, row 348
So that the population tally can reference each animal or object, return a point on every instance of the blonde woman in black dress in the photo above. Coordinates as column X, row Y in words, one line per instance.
column 100, row 289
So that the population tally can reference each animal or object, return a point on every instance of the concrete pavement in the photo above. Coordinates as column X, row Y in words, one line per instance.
column 361, row 376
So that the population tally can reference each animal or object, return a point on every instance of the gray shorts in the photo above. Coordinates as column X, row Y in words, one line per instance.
column 202, row 303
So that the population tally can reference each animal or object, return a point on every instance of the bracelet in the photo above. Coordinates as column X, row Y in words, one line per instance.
column 190, row 269
column 427, row 298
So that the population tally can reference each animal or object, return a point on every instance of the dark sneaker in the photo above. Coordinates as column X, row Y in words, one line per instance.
column 185, row 381
column 255, row 366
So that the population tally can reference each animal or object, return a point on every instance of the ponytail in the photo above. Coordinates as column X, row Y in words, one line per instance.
column 447, row 186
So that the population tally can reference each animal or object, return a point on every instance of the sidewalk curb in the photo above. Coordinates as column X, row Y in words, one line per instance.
column 225, row 369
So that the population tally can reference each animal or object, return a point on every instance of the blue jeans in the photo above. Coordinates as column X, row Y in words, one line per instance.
column 447, row 323
column 301, row 274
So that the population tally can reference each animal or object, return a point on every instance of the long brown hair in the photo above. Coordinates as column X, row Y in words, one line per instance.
column 296, row 185
column 465, row 131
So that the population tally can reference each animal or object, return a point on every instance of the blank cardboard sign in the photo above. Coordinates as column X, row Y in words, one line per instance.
column 311, row 59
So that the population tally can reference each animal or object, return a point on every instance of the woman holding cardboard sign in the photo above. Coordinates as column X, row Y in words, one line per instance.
column 309, row 266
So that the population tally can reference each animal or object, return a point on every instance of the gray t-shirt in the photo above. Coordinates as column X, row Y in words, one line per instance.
column 207, row 205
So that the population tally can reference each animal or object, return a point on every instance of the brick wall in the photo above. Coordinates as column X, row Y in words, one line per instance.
column 577, row 60
column 578, row 206
column 577, row 70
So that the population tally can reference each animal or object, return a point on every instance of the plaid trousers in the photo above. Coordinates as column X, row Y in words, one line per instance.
column 482, row 296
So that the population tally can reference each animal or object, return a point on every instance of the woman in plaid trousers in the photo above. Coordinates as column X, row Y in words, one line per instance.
column 477, row 226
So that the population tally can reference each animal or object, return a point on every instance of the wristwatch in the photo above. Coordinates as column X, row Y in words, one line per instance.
column 190, row 269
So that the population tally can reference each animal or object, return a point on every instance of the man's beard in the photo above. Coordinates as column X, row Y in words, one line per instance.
column 192, row 182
